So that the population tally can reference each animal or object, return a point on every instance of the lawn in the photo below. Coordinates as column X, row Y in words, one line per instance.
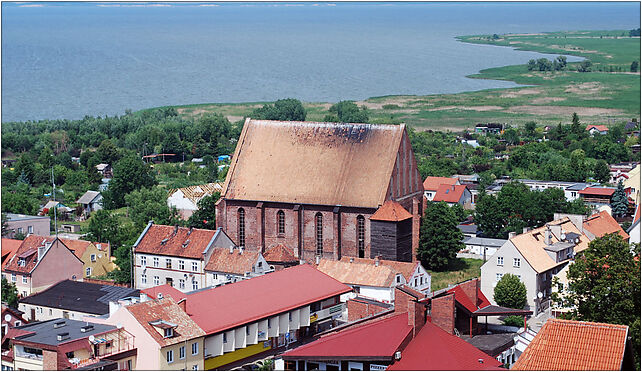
column 467, row 268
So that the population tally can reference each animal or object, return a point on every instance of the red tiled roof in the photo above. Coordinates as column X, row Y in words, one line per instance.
column 449, row 194
column 435, row 349
column 9, row 248
column 404, row 268
column 601, row 128
column 168, row 310
column 391, row 211
column 467, row 302
column 257, row 298
column 433, row 183
column 358, row 273
column 178, row 242
column 636, row 216
column 376, row 340
column 223, row 261
column 29, row 251
column 602, row 223
column 574, row 345
column 603, row 191
column 280, row 253
column 166, row 290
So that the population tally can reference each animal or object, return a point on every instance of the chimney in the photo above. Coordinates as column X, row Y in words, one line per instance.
column 231, row 249
column 511, row 234
column 183, row 304
column 547, row 235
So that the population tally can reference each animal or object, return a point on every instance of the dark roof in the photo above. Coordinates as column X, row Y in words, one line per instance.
column 500, row 310
column 468, row 229
column 492, row 344
column 45, row 333
column 80, row 296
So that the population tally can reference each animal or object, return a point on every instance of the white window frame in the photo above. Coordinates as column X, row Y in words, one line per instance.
column 92, row 258
column 181, row 352
column 517, row 262
column 24, row 279
column 181, row 264
column 13, row 277
column 170, row 356
column 30, row 229
column 500, row 261
column 195, row 367
column 88, row 271
column 195, row 266
column 143, row 261
column 195, row 348
column 498, row 277
column 194, row 285
column 156, row 280
column 156, row 261
column 143, row 278
column 181, row 283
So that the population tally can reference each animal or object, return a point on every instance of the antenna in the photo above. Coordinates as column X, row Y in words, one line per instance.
column 53, row 186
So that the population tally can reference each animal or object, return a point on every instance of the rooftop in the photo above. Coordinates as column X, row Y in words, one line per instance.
column 391, row 211
column 238, row 262
column 88, row 197
column 174, row 241
column 357, row 273
column 164, row 290
column 433, row 183
column 602, row 191
column 484, row 241
column 21, row 217
column 80, row 296
column 46, row 332
column 198, row 192
column 28, row 251
column 9, row 248
column 575, row 345
column 602, row 223
column 404, row 268
column 601, row 128
column 280, row 253
column 449, row 194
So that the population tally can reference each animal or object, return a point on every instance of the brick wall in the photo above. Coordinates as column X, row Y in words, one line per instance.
column 49, row 360
column 359, row 310
column 443, row 312
column 470, row 288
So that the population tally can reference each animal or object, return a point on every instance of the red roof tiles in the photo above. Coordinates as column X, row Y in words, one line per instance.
column 175, row 241
column 601, row 128
column 433, row 183
column 404, row 268
column 602, row 191
column 449, row 194
column 9, row 248
column 238, row 263
column 435, row 349
column 257, row 298
column 165, row 290
column 378, row 340
column 280, row 253
column 28, row 251
column 574, row 345
column 602, row 223
column 471, row 304
column 391, row 211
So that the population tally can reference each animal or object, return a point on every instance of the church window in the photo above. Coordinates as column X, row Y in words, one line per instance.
column 361, row 236
column 280, row 216
column 319, row 230
column 241, row 218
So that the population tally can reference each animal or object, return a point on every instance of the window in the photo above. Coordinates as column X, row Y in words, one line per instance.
column 181, row 264
column 195, row 266
column 361, row 236
column 181, row 352
column 280, row 220
column 169, row 332
column 20, row 230
column 88, row 271
column 195, row 367
column 168, row 263
column 241, row 227
column 319, row 229
column 269, row 323
column 215, row 276
column 516, row 262
column 519, row 277
column 143, row 261
column 398, row 279
column 290, row 316
column 194, row 285
column 156, row 280
column 13, row 277
column 181, row 283
column 93, row 258
column 498, row 276
column 30, row 229
column 50, row 312
column 415, row 282
column 170, row 356
column 195, row 348
column 21, row 262
column 143, row 279
column 17, row 323
column 24, row 279
column 224, row 338
column 500, row 261
column 155, row 261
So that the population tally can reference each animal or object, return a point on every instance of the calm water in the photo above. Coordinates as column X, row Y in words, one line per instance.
column 67, row 60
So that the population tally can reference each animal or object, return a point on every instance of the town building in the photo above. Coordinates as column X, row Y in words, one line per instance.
column 90, row 201
column 61, row 209
column 11, row 318
column 600, row 224
column 105, row 170
column 185, row 199
column 23, row 224
column 74, row 300
column 40, row 262
column 231, row 265
column 280, row 257
column 633, row 184
column 486, row 128
column 597, row 129
column 571, row 189
column 259, row 317
column 315, row 186
column 431, row 185
column 534, row 257
column 175, row 255
column 458, row 194
column 634, row 230
column 9, row 248
column 597, row 196
column 416, row 276
column 59, row 344
column 571, row 345
column 480, row 248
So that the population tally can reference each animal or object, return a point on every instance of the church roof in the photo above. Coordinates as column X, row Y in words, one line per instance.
column 391, row 211
column 313, row 163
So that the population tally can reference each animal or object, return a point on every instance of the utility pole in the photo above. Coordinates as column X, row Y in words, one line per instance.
column 53, row 186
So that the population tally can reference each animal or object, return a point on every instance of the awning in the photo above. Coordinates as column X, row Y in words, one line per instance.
column 500, row 310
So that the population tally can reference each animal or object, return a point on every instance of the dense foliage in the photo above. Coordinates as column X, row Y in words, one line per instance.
column 9, row 293
column 347, row 112
column 439, row 237
column 283, row 109
column 510, row 292
column 205, row 216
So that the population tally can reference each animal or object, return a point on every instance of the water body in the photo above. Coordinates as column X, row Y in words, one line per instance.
column 68, row 60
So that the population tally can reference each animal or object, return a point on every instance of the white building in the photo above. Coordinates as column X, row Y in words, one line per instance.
column 571, row 189
column 186, row 199
column 481, row 248
column 233, row 264
column 415, row 274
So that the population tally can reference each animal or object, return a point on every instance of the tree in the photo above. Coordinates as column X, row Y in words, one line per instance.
column 5, row 226
column 349, row 112
column 619, row 201
column 107, row 152
column 532, row 64
column 103, row 227
column 439, row 238
column 205, row 216
column 9, row 293
column 529, row 128
column 150, row 204
column 604, row 285
column 585, row 66
column 635, row 65
column 289, row 109
column 602, row 172
column 575, row 124
column 510, row 292
column 130, row 174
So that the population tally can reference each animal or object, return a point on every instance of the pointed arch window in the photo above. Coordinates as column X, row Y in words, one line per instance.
column 361, row 236
column 280, row 220
column 318, row 220
column 241, row 227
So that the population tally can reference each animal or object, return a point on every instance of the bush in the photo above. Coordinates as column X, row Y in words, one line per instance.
column 514, row 321
column 390, row 107
column 510, row 292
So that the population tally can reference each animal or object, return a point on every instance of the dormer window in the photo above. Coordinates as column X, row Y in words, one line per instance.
column 169, row 332
column 165, row 328
column 21, row 262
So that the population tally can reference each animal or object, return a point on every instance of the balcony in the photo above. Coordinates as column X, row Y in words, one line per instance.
column 22, row 354
column 104, row 346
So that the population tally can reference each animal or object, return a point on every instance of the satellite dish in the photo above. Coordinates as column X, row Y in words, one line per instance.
column 540, row 295
column 91, row 338
column 119, row 326
column 7, row 317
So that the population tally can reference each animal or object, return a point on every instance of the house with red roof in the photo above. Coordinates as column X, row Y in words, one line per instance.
column 455, row 194
column 11, row 318
column 280, row 256
column 9, row 248
column 431, row 185
column 571, row 345
column 600, row 224
column 416, row 276
column 599, row 129
column 175, row 255
column 40, row 262
column 231, row 265
column 261, row 316
column 597, row 196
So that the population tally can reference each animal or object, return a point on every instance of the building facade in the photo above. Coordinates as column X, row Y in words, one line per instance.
column 24, row 225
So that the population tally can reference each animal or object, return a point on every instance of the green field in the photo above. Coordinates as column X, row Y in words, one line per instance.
column 600, row 96
column 467, row 268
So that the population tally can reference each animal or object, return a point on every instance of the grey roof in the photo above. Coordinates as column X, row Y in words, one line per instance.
column 541, row 181
column 45, row 333
column 84, row 297
column 485, row 241
column 88, row 197
column 578, row 186
column 559, row 246
column 21, row 217
column 633, row 226
column 468, row 229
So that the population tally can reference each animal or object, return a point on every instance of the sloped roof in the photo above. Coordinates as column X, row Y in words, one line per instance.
column 260, row 297
column 467, row 302
column 449, row 194
column 433, row 183
column 313, row 163
column 358, row 273
column 575, row 345
column 80, row 296
column 391, row 211
column 601, row 128
column 28, row 251
column 168, row 310
column 404, row 268
column 198, row 192
column 603, row 191
column 435, row 349
column 531, row 244
column 9, row 248
column 602, row 223
column 174, row 241
column 378, row 340
column 165, row 290
column 88, row 197
column 238, row 263
column 280, row 253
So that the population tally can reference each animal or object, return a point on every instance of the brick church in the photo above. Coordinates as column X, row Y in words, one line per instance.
column 323, row 189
